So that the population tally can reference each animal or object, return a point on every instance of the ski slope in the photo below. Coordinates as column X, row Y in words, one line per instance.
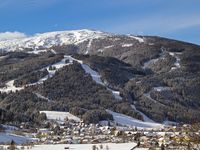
column 145, row 118
column 95, row 76
column 58, row 65
column 132, row 122
column 9, row 86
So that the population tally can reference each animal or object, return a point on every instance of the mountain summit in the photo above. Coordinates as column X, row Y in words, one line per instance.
column 46, row 40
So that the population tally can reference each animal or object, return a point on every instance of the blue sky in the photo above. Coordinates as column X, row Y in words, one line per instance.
column 179, row 19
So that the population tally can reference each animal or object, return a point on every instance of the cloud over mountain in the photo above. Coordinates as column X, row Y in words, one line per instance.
column 11, row 35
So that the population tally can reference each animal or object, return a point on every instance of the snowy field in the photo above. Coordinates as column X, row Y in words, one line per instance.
column 121, row 119
column 60, row 116
column 8, row 137
column 110, row 146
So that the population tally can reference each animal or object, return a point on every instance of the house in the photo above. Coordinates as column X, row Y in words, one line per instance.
column 44, row 132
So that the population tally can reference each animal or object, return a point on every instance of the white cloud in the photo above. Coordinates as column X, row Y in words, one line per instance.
column 11, row 35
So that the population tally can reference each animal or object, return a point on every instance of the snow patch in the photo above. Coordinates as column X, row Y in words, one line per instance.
column 71, row 59
column 177, row 62
column 107, row 47
column 3, row 57
column 167, row 122
column 161, row 88
column 100, row 50
column 42, row 97
column 141, row 40
column 151, row 44
column 53, row 51
column 10, row 87
column 127, row 45
column 88, row 46
column 116, row 94
column 37, row 51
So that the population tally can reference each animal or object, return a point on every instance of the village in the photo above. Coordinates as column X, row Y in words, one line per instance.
column 74, row 131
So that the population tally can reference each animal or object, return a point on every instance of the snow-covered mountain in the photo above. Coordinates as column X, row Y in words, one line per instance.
column 140, row 76
column 49, row 39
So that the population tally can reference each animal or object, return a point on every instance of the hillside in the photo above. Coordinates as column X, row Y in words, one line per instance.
column 88, row 72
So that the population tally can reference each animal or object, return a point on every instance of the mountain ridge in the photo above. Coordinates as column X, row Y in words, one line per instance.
column 38, row 40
